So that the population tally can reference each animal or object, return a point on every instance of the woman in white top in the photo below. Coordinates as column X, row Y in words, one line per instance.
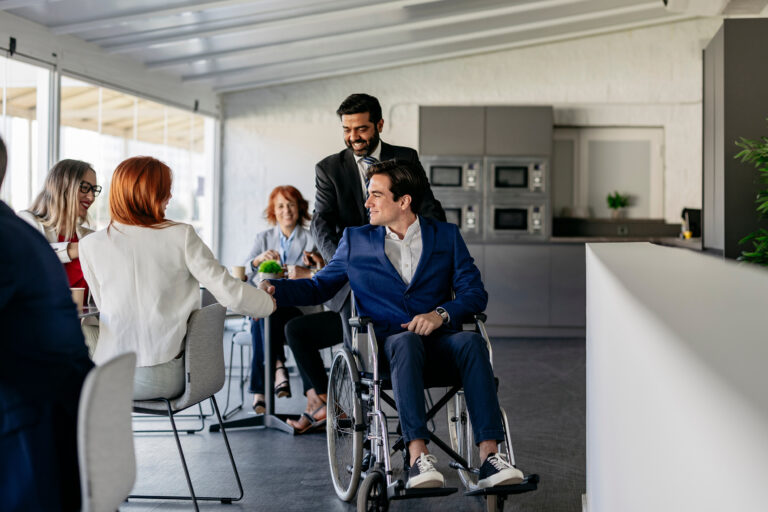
column 145, row 273
column 60, row 211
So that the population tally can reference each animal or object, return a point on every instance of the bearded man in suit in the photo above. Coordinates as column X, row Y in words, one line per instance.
column 340, row 182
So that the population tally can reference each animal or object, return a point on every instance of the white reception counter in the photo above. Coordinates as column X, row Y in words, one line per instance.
column 677, row 381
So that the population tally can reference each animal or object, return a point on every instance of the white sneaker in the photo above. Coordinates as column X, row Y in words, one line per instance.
column 496, row 471
column 423, row 474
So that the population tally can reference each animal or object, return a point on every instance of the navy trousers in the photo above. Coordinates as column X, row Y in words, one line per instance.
column 443, row 355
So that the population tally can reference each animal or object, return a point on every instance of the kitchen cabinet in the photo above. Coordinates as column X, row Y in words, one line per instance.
column 518, row 131
column 517, row 280
column 452, row 131
column 568, row 285
column 735, row 105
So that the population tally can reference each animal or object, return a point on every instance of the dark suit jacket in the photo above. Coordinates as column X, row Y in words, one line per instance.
column 339, row 200
column 43, row 363
column 380, row 292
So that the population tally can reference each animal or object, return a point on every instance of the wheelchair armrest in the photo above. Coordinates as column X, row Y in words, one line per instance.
column 359, row 321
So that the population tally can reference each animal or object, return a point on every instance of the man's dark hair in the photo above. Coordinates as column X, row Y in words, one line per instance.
column 360, row 103
column 3, row 160
column 406, row 178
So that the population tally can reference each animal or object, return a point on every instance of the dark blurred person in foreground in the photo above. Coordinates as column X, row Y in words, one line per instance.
column 42, row 369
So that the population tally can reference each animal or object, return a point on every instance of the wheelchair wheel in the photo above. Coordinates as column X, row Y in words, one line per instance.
column 462, row 439
column 345, row 442
column 373, row 493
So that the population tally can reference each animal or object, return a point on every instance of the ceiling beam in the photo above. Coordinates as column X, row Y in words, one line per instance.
column 377, row 28
column 260, row 79
column 463, row 33
column 142, row 14
column 321, row 13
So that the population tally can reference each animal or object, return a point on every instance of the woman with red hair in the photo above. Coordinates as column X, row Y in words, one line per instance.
column 145, row 273
column 290, row 244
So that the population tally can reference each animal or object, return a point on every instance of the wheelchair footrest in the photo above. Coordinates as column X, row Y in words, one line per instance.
column 396, row 492
column 530, row 483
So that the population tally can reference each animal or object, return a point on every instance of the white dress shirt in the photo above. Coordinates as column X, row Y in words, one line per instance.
column 363, row 167
column 404, row 254
column 146, row 283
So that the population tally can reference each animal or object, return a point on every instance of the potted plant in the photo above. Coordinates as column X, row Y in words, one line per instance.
column 756, row 152
column 617, row 202
column 270, row 269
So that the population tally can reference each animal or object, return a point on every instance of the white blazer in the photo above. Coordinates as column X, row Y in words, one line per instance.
column 50, row 234
column 146, row 283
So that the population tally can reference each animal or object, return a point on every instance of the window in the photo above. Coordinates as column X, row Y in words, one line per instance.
column 103, row 126
column 25, row 99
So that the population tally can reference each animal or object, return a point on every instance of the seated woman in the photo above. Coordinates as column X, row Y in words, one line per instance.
column 145, row 273
column 288, row 243
column 60, row 211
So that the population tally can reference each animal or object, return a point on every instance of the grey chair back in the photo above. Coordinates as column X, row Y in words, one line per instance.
column 203, row 360
column 104, row 435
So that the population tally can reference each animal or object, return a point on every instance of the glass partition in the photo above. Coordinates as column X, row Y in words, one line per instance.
column 104, row 126
column 24, row 102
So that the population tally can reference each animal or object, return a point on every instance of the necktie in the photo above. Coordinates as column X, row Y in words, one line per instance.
column 368, row 161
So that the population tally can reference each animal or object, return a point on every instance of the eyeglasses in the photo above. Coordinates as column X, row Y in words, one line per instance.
column 86, row 187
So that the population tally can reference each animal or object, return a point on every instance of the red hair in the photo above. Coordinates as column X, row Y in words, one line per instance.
column 140, row 187
column 292, row 194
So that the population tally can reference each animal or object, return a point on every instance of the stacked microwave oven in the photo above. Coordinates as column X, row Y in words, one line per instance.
column 493, row 198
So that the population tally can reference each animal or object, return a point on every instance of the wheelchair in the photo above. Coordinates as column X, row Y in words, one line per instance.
column 361, row 443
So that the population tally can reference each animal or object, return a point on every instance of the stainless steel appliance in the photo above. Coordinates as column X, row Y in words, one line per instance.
column 521, row 219
column 454, row 173
column 467, row 216
column 458, row 182
column 517, row 176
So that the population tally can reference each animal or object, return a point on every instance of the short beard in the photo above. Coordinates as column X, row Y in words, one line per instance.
column 372, row 144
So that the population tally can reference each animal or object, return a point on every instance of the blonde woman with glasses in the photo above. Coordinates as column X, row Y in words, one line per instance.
column 60, row 213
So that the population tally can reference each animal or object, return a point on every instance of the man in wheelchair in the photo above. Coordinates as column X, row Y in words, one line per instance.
column 403, row 269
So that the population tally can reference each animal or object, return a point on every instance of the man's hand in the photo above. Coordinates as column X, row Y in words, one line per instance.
column 424, row 324
column 267, row 287
column 313, row 259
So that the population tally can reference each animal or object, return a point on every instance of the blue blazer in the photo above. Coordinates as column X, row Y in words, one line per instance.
column 380, row 292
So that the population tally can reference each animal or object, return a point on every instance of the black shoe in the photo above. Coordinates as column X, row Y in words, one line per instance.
column 283, row 389
column 496, row 471
column 423, row 474
column 260, row 407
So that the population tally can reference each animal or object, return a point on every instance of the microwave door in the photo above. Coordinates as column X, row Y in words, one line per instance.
column 510, row 219
column 510, row 177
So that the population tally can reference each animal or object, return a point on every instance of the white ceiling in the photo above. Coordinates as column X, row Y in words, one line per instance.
column 232, row 45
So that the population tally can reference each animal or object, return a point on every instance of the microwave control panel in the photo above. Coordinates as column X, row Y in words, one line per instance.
column 537, row 219
column 472, row 176
column 538, row 171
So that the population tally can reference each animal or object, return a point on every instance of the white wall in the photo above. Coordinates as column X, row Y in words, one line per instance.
column 677, row 409
column 642, row 77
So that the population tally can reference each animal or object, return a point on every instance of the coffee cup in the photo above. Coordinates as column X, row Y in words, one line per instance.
column 239, row 272
column 78, row 297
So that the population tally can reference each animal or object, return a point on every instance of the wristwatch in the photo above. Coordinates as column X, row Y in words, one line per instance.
column 443, row 314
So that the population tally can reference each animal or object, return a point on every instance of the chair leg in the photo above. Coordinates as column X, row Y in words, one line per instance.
column 229, row 451
column 229, row 412
column 229, row 378
column 181, row 452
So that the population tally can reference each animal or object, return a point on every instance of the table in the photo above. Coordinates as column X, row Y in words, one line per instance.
column 269, row 419
column 88, row 311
